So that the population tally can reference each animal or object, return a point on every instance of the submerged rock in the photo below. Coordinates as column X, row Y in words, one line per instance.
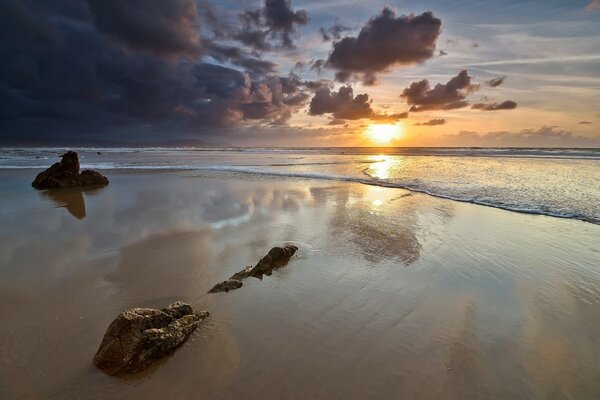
column 226, row 286
column 276, row 258
column 139, row 336
column 65, row 173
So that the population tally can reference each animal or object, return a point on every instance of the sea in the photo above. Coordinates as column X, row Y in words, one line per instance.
column 562, row 183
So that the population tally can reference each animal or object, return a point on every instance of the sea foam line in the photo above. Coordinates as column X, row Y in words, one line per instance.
column 535, row 210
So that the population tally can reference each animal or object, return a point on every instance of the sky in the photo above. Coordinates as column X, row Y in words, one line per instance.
column 300, row 73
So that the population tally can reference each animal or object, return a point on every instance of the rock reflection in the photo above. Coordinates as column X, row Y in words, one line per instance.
column 71, row 198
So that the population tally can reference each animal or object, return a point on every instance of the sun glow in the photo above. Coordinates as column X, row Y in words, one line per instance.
column 384, row 133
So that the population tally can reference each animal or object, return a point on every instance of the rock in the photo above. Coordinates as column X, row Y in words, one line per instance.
column 139, row 336
column 276, row 258
column 243, row 274
column 65, row 174
column 99, row 153
column 226, row 286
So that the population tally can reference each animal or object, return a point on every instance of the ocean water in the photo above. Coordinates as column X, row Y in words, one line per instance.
column 556, row 182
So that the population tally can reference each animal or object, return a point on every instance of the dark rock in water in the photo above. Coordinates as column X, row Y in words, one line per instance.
column 276, row 258
column 65, row 174
column 139, row 336
column 226, row 286
column 98, row 153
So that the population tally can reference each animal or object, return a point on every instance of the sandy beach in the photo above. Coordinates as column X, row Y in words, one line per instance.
column 392, row 294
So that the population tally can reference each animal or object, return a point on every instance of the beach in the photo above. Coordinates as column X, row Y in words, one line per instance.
column 393, row 293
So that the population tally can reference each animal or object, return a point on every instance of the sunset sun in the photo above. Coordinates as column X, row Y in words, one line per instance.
column 384, row 133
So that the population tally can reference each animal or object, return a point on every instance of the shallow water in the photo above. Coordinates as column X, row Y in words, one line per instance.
column 393, row 294
column 558, row 182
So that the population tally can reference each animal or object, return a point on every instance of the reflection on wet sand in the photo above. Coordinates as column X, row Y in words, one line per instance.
column 71, row 198
column 494, row 304
column 373, row 219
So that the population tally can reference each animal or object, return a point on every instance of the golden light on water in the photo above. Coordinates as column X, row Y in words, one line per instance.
column 384, row 133
column 381, row 167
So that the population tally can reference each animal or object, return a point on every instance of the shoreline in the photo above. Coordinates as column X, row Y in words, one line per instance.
column 323, row 177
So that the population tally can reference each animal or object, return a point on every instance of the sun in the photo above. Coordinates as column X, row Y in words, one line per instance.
column 384, row 133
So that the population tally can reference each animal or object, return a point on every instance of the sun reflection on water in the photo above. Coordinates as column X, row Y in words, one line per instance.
column 381, row 167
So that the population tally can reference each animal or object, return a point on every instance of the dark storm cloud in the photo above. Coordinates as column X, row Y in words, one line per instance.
column 432, row 122
column 209, row 16
column 495, row 81
column 276, row 20
column 505, row 105
column 235, row 55
column 163, row 27
column 385, row 41
column 447, row 96
column 71, row 72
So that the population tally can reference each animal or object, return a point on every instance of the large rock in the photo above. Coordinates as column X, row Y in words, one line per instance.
column 65, row 173
column 139, row 336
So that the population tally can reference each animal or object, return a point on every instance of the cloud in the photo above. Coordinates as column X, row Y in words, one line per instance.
column 341, row 104
column 505, row 105
column 545, row 136
column 164, row 27
column 317, row 65
column 584, row 122
column 236, row 56
column 227, row 96
column 344, row 105
column 333, row 32
column 433, row 122
column 388, row 118
column 384, row 42
column 70, row 75
column 447, row 96
column 275, row 20
column 452, row 95
column 595, row 4
column 495, row 81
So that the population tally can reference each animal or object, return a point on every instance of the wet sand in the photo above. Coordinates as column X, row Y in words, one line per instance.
column 391, row 295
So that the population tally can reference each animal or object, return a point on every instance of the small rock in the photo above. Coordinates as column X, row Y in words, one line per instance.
column 226, row 286
column 276, row 258
column 243, row 274
column 65, row 173
column 139, row 336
